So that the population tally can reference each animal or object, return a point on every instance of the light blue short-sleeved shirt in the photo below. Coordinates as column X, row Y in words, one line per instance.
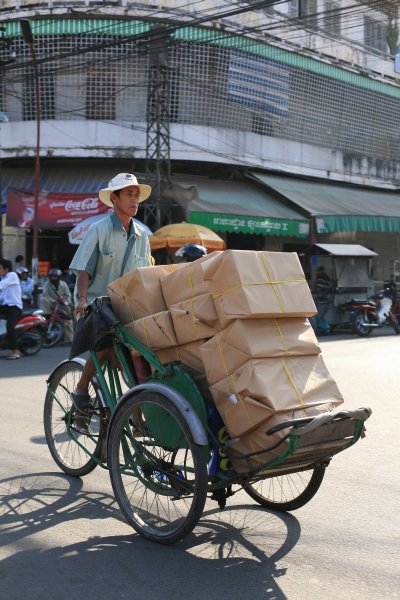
column 105, row 249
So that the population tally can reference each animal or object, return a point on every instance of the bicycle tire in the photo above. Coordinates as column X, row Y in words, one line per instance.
column 66, row 452
column 162, row 499
column 274, row 492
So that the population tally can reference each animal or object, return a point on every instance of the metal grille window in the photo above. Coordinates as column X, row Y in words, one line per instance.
column 333, row 19
column 47, row 97
column 375, row 34
column 212, row 86
column 100, row 95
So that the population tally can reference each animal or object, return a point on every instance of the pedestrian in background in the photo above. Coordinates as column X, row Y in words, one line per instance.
column 11, row 304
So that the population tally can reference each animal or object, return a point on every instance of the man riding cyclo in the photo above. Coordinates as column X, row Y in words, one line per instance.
column 111, row 247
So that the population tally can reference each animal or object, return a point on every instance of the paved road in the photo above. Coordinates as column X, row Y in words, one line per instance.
column 64, row 538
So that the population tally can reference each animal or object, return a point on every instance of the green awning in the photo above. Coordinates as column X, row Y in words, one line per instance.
column 338, row 207
column 237, row 207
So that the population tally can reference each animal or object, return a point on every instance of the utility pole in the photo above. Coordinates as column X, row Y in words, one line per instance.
column 29, row 40
column 6, row 57
column 157, row 210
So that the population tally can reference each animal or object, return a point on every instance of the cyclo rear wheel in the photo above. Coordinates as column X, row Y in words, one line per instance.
column 158, row 472
column 61, row 422
column 286, row 492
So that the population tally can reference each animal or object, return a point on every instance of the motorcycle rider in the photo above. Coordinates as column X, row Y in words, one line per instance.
column 11, row 304
column 26, row 283
column 53, row 288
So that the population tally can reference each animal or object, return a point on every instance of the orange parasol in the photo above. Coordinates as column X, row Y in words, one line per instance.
column 176, row 235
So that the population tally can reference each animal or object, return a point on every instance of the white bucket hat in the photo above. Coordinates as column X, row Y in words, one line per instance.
column 123, row 180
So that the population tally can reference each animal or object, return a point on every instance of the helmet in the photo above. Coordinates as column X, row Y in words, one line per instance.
column 21, row 270
column 55, row 273
column 191, row 252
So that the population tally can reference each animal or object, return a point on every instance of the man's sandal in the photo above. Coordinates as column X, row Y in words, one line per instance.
column 81, row 402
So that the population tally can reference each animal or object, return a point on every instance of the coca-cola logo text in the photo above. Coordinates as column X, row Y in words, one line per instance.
column 87, row 204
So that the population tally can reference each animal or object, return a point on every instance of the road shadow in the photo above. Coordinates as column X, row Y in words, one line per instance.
column 233, row 553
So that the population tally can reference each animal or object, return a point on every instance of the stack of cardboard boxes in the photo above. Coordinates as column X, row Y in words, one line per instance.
column 237, row 321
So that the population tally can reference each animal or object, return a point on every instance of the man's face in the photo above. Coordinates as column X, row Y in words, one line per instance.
column 24, row 276
column 3, row 272
column 128, row 201
column 54, row 279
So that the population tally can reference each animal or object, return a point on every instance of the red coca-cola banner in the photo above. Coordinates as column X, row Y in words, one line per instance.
column 57, row 210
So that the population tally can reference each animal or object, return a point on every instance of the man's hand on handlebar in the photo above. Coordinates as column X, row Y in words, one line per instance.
column 80, row 309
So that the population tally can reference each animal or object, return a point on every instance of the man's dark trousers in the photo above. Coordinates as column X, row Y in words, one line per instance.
column 11, row 315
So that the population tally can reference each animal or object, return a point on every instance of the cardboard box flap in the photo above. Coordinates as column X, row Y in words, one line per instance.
column 186, row 283
column 256, row 284
column 204, row 310
column 187, row 325
column 245, row 415
column 138, row 293
column 256, row 338
column 287, row 383
column 155, row 331
column 187, row 354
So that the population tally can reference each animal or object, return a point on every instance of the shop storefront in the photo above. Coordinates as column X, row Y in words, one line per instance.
column 344, row 214
column 246, row 216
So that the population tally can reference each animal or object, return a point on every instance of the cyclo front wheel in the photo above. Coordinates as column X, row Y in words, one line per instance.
column 158, row 472
column 72, row 438
column 286, row 492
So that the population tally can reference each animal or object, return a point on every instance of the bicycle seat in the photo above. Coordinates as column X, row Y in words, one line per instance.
column 28, row 311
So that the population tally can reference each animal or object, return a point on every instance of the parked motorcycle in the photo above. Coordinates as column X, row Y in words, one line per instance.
column 54, row 326
column 371, row 313
column 29, row 333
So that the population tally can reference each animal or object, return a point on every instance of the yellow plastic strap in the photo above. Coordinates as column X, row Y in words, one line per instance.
column 253, row 449
column 150, row 260
column 282, row 338
column 126, row 297
column 242, row 285
column 222, row 354
column 273, row 285
column 145, row 334
column 194, row 322
column 177, row 353
column 190, row 280
column 232, row 378
column 293, row 385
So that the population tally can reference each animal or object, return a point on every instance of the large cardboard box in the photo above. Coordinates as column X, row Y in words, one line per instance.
column 188, row 326
column 186, row 283
column 138, row 294
column 156, row 331
column 247, row 284
column 282, row 384
column 187, row 354
column 256, row 338
column 257, row 440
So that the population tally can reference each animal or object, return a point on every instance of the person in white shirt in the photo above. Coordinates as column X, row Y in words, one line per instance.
column 11, row 304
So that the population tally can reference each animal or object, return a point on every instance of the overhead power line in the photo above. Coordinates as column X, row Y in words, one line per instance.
column 154, row 33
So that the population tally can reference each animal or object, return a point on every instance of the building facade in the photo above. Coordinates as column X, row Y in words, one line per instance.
column 305, row 89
